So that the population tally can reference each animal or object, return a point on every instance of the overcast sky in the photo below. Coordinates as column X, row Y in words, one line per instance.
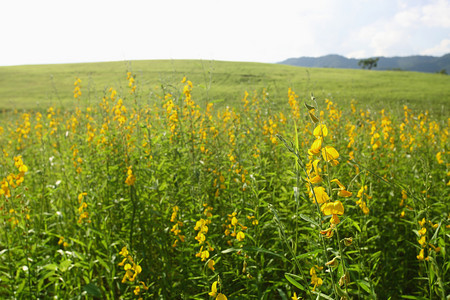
column 62, row 31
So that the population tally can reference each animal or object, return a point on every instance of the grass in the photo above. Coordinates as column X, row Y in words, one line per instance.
column 144, row 187
column 39, row 86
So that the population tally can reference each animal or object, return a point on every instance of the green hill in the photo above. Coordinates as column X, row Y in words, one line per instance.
column 39, row 86
column 417, row 63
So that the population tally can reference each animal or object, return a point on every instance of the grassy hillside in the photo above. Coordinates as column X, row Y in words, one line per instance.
column 416, row 63
column 38, row 86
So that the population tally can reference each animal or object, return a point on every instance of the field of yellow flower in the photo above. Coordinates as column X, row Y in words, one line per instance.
column 137, row 196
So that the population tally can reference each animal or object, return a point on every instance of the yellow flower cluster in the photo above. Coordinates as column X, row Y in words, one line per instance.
column 131, row 82
column 202, row 227
column 190, row 108
column 172, row 114
column 119, row 110
column 334, row 113
column 317, row 281
column 84, row 215
column 423, row 240
column 233, row 223
column 293, row 103
column 270, row 129
column 77, row 89
column 62, row 242
column 132, row 270
column 176, row 228
column 131, row 179
column 314, row 176
column 77, row 161
column 13, row 180
column 362, row 195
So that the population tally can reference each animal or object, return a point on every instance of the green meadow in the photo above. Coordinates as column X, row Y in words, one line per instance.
column 38, row 86
column 223, row 180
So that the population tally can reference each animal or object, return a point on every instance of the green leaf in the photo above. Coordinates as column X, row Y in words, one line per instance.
column 355, row 224
column 290, row 278
column 308, row 219
column 103, row 263
column 64, row 265
column 433, row 238
column 282, row 294
column 78, row 242
column 51, row 267
column 92, row 290
column 322, row 295
column 253, row 249
column 364, row 285
column 309, row 107
column 304, row 255
column 313, row 117
column 431, row 271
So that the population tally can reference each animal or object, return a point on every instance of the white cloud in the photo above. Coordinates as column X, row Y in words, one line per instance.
column 436, row 14
column 442, row 48
column 411, row 29
column 408, row 18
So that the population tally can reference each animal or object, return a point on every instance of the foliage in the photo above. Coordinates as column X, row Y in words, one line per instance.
column 155, row 195
column 368, row 63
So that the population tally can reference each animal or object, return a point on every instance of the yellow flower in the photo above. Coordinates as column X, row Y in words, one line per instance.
column 200, row 237
column 423, row 231
column 80, row 197
column 131, row 179
column 421, row 223
column 334, row 219
column 294, row 297
column 240, row 236
column 124, row 252
column 422, row 241
column 363, row 206
column 342, row 192
column 320, row 130
column 321, row 195
column 329, row 153
column 333, row 262
column 439, row 158
column 333, row 208
column 316, row 146
column 137, row 290
column 204, row 255
column 314, row 279
column 328, row 233
column 437, row 249
column 221, row 297
column 211, row 264
column 213, row 292
column 316, row 179
column 421, row 255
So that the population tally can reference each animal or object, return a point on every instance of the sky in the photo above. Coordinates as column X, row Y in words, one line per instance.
column 62, row 31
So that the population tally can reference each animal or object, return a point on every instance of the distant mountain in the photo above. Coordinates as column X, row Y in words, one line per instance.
column 418, row 63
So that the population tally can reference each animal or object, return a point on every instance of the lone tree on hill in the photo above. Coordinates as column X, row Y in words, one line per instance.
column 368, row 63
